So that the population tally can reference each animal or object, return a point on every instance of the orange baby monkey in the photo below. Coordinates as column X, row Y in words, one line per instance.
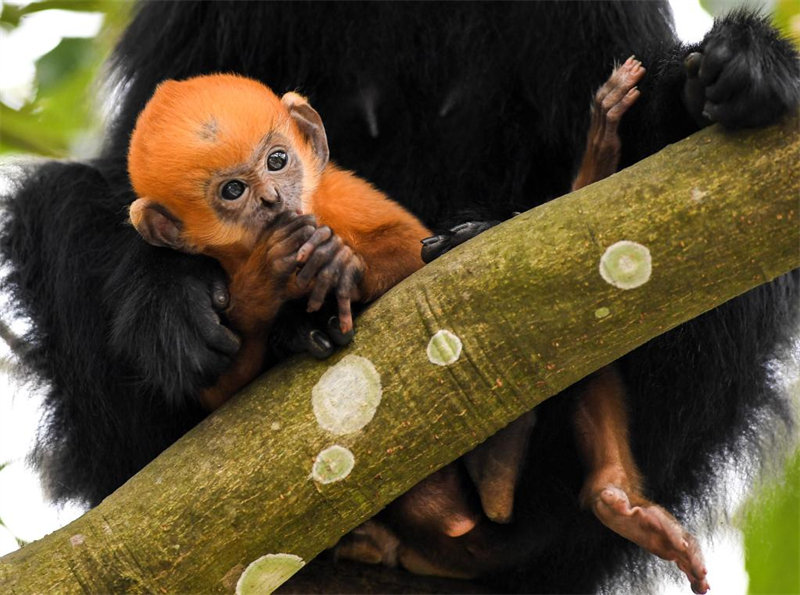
column 226, row 168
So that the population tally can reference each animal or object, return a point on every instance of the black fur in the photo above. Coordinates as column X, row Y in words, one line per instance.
column 459, row 111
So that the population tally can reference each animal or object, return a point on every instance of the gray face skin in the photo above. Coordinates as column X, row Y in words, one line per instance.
column 258, row 191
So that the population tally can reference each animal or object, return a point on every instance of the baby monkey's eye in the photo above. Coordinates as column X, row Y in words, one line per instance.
column 276, row 160
column 232, row 190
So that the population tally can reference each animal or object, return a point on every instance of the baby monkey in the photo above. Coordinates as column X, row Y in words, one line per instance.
column 226, row 168
column 434, row 528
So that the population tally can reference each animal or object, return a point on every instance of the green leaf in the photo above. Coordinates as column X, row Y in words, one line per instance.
column 786, row 18
column 64, row 110
column 772, row 535
column 23, row 132
column 13, row 13
column 63, row 107
column 70, row 58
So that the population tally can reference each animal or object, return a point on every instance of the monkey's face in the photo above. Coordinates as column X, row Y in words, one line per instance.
column 250, row 195
column 216, row 158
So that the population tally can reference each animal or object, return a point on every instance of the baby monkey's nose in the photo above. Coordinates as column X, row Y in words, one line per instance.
column 271, row 199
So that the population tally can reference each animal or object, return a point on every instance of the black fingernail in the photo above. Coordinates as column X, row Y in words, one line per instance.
column 322, row 345
column 692, row 64
column 221, row 298
column 431, row 240
column 319, row 339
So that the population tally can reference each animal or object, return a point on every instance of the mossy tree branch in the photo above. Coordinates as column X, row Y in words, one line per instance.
column 719, row 215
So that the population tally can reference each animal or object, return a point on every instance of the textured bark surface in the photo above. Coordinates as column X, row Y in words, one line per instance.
column 719, row 215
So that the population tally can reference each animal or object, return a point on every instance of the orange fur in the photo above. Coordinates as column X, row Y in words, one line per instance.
column 205, row 129
column 378, row 229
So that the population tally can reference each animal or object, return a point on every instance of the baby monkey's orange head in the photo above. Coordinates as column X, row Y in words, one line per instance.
column 215, row 158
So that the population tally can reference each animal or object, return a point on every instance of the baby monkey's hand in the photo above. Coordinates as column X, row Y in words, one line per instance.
column 328, row 262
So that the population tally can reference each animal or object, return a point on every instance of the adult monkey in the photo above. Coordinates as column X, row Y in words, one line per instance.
column 461, row 112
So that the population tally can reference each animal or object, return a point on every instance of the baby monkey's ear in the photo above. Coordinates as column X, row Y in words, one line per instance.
column 310, row 125
column 156, row 224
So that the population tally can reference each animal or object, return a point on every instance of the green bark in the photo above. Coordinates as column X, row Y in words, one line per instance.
column 719, row 215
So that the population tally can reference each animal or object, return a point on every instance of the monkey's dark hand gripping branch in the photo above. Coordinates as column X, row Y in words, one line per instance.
column 434, row 246
column 181, row 345
column 742, row 75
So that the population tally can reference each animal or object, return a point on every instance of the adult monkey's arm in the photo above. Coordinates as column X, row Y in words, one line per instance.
column 718, row 214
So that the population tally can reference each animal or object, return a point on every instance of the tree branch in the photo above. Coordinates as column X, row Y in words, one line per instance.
column 719, row 215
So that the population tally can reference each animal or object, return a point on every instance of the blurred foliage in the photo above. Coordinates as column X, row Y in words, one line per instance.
column 64, row 110
column 19, row 541
column 771, row 525
column 12, row 14
column 785, row 13
column 786, row 17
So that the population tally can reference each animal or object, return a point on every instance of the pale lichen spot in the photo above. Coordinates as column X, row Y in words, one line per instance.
column 275, row 426
column 332, row 464
column 267, row 573
column 601, row 312
column 444, row 348
column 626, row 265
column 697, row 195
column 347, row 395
column 77, row 540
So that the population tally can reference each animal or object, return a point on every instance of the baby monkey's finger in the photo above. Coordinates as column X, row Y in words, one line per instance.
column 327, row 279
column 621, row 83
column 287, row 223
column 346, row 291
column 345, row 313
column 323, row 283
column 615, row 113
column 320, row 257
column 319, row 237
column 287, row 247
column 334, row 328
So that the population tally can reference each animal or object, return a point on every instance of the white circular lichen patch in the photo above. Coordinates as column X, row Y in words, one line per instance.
column 347, row 395
column 444, row 348
column 601, row 312
column 333, row 464
column 626, row 265
column 267, row 573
